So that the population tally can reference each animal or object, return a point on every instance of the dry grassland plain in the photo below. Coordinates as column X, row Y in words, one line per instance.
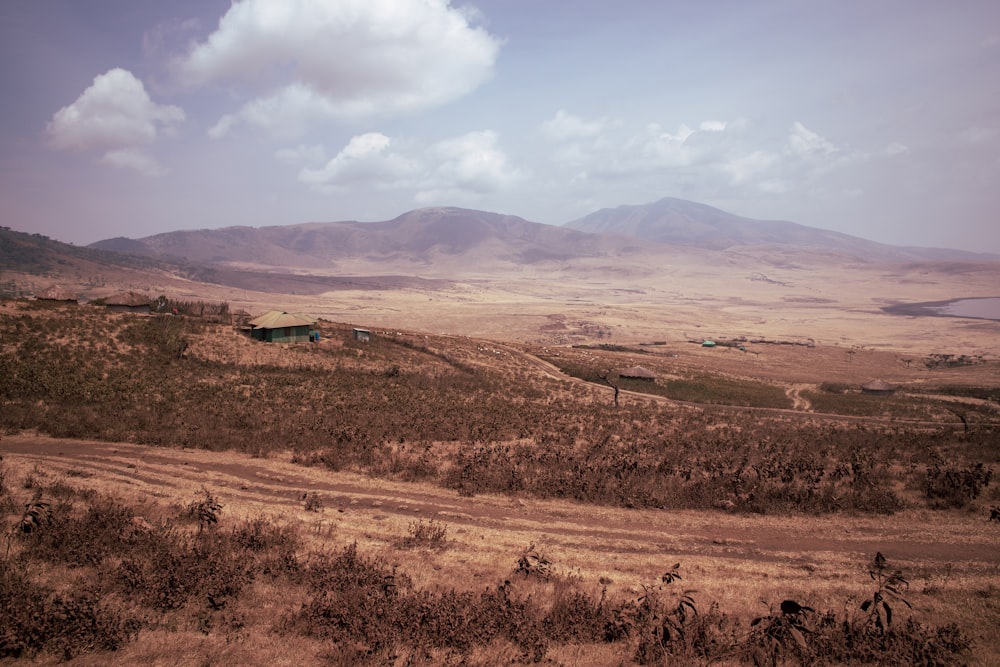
column 805, row 322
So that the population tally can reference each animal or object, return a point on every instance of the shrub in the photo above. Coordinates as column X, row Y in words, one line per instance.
column 533, row 564
column 429, row 534
column 205, row 511
column 79, row 541
column 955, row 486
column 34, row 618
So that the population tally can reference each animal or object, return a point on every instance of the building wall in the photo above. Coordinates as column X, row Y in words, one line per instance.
column 283, row 334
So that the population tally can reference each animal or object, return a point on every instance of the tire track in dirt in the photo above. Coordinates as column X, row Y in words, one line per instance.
column 279, row 485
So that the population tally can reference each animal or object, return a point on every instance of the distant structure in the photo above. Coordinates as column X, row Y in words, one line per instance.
column 637, row 373
column 128, row 302
column 278, row 326
column 879, row 387
column 57, row 294
column 362, row 335
column 708, row 343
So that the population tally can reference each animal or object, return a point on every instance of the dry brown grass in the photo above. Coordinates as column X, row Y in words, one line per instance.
column 742, row 563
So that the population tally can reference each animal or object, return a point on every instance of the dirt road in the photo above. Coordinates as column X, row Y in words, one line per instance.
column 376, row 511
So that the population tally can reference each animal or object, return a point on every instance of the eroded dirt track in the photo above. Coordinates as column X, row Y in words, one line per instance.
column 375, row 509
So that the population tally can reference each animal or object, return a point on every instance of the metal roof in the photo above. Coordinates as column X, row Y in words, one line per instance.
column 277, row 319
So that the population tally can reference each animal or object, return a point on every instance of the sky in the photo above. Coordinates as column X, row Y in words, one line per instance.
column 876, row 118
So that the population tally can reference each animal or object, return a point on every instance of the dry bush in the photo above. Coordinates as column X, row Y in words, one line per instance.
column 134, row 575
column 35, row 618
column 428, row 534
column 517, row 432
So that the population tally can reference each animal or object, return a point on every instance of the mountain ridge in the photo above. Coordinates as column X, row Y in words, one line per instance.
column 684, row 222
column 419, row 237
column 457, row 237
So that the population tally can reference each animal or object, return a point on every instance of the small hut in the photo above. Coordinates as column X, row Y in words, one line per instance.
column 878, row 387
column 362, row 335
column 278, row 326
column 129, row 302
column 57, row 294
column 637, row 373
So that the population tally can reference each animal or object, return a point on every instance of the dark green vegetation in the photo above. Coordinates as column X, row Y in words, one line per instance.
column 464, row 415
column 918, row 403
column 38, row 254
column 692, row 387
column 192, row 568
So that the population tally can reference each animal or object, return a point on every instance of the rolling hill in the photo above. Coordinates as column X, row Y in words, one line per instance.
column 457, row 241
column 688, row 223
column 441, row 236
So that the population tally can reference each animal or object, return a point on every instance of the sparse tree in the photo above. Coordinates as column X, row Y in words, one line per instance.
column 606, row 378
column 962, row 415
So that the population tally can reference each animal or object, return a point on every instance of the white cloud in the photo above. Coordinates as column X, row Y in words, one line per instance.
column 659, row 148
column 895, row 149
column 747, row 167
column 564, row 126
column 473, row 163
column 461, row 168
column 131, row 158
column 309, row 60
column 302, row 154
column 367, row 159
column 114, row 116
column 805, row 143
column 712, row 126
column 577, row 141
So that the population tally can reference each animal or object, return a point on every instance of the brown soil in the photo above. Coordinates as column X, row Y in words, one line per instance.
column 276, row 486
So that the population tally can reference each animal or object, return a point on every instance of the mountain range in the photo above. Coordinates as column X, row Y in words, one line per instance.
column 456, row 237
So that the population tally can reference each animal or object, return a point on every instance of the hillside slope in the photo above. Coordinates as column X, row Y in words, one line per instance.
column 423, row 236
column 682, row 222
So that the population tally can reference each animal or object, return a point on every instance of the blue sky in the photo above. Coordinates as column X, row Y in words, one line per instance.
column 128, row 118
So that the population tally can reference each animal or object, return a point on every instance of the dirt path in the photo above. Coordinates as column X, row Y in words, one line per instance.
column 278, row 486
column 799, row 402
column 740, row 563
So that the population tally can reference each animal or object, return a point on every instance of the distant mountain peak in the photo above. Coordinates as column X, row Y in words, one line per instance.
column 682, row 222
column 470, row 239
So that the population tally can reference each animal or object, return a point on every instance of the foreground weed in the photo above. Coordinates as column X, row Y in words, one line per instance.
column 533, row 564
column 37, row 514
column 312, row 502
column 429, row 534
column 780, row 636
column 35, row 618
column 890, row 588
column 206, row 510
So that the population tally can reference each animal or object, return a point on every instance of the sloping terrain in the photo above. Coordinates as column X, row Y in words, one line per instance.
column 541, row 494
column 451, row 242
column 683, row 222
column 452, row 236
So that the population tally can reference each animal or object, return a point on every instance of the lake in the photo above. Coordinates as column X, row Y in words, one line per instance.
column 987, row 308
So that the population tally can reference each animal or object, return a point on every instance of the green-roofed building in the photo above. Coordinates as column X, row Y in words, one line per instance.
column 278, row 326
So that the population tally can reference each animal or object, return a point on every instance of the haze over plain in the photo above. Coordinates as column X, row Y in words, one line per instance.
column 125, row 119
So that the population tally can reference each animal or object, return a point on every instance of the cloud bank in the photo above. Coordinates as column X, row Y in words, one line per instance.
column 114, row 116
column 308, row 61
